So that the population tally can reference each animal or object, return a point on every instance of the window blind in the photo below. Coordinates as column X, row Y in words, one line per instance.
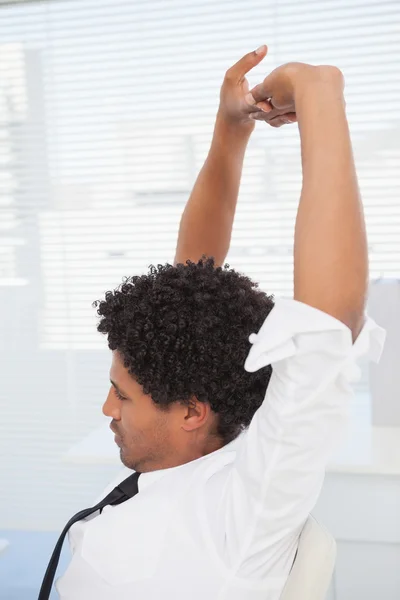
column 106, row 115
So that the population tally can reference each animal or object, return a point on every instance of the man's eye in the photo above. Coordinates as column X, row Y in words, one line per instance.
column 119, row 396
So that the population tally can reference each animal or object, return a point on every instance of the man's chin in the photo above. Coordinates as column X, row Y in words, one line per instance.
column 127, row 461
column 122, row 457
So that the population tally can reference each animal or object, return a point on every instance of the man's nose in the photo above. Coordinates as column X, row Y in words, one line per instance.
column 111, row 407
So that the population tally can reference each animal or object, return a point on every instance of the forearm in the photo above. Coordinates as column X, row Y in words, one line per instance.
column 330, row 252
column 207, row 220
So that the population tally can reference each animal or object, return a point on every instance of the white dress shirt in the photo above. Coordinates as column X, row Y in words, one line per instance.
column 226, row 526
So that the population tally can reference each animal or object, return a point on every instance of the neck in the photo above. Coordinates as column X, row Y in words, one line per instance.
column 189, row 454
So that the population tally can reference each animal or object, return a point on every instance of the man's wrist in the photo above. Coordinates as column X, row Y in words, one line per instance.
column 323, row 81
column 230, row 140
column 232, row 129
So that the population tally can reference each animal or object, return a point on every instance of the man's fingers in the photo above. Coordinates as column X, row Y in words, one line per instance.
column 245, row 64
column 291, row 117
column 276, row 121
column 253, row 105
column 265, row 106
column 271, row 112
column 261, row 92
column 250, row 99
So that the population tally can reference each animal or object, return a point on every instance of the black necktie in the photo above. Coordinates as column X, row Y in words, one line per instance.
column 125, row 490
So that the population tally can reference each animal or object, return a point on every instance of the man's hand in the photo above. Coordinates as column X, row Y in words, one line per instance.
column 236, row 106
column 280, row 88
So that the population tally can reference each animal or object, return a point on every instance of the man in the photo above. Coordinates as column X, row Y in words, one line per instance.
column 229, row 473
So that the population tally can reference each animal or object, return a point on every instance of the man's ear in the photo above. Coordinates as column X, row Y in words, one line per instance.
column 197, row 414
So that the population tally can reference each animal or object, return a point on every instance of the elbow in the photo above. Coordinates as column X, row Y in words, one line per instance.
column 354, row 320
column 351, row 314
column 349, row 308
column 353, row 309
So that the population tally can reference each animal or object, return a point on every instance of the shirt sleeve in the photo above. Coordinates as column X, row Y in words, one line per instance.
column 278, row 473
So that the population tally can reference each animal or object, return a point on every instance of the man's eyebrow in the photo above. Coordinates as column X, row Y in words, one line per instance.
column 118, row 388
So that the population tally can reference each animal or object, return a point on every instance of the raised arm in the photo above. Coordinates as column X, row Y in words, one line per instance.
column 330, row 256
column 207, row 220
column 330, row 247
column 312, row 342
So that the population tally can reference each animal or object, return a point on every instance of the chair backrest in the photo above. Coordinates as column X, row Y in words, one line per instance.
column 312, row 569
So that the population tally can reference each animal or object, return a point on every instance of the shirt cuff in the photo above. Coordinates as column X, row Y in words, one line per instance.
column 289, row 318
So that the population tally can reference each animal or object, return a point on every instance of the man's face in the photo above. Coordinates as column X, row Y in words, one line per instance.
column 147, row 436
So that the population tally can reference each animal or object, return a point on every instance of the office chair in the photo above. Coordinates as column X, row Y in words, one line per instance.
column 313, row 566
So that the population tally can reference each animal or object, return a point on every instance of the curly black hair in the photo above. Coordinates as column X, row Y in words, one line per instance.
column 183, row 332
